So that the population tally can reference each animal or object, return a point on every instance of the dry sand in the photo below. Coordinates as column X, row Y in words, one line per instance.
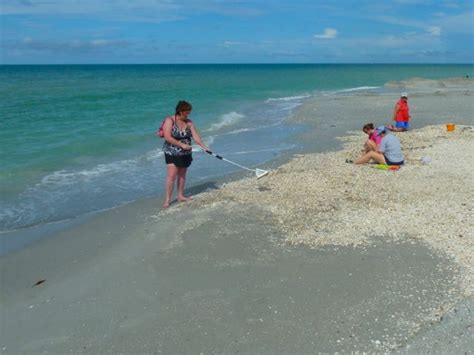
column 318, row 200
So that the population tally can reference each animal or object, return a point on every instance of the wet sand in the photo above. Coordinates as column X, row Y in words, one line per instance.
column 318, row 256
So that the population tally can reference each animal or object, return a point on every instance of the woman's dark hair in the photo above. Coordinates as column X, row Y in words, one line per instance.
column 183, row 106
column 368, row 126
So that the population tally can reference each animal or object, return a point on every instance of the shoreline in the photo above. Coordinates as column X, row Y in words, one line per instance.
column 286, row 263
column 314, row 140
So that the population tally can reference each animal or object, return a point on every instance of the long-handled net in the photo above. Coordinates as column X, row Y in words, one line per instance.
column 258, row 172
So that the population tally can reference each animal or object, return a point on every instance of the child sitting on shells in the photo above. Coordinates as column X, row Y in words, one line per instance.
column 373, row 141
column 388, row 152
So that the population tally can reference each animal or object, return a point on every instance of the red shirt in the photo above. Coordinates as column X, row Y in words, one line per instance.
column 403, row 114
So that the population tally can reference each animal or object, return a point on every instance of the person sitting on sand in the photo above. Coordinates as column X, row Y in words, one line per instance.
column 389, row 151
column 401, row 115
column 374, row 139
column 178, row 131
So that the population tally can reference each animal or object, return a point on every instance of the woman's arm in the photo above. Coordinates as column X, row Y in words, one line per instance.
column 197, row 137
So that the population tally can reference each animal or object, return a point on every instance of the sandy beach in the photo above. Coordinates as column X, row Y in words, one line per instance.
column 349, row 205
column 318, row 256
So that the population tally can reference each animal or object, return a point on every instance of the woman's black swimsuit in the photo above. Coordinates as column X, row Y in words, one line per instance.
column 174, row 154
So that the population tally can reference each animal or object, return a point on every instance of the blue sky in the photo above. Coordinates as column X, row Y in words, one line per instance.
column 221, row 31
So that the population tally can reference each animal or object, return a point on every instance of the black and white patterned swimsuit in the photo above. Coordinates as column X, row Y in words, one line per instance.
column 184, row 136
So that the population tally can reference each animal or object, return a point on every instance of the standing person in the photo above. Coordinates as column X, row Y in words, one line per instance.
column 178, row 131
column 389, row 152
column 401, row 115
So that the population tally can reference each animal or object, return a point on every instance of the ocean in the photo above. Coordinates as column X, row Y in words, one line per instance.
column 76, row 139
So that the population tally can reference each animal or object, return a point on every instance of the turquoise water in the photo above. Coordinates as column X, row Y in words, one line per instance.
column 75, row 139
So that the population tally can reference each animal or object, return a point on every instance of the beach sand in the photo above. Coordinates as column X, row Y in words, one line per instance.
column 318, row 256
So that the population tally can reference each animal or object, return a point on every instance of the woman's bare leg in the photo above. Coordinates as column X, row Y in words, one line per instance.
column 379, row 158
column 181, row 182
column 396, row 129
column 370, row 146
column 171, row 174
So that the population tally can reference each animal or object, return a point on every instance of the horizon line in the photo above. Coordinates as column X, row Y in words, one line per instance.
column 247, row 63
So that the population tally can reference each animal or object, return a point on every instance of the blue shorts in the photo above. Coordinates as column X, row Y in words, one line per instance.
column 392, row 162
column 405, row 125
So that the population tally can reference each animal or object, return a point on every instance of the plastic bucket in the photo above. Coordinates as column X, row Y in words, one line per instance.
column 450, row 127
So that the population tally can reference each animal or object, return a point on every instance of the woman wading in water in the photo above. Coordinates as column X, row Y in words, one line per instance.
column 178, row 131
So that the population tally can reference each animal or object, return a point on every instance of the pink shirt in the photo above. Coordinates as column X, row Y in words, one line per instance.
column 375, row 137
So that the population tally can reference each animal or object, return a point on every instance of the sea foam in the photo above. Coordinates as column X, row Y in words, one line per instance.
column 288, row 98
column 226, row 119
column 359, row 88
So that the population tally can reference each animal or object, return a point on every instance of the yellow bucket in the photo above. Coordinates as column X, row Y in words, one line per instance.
column 450, row 127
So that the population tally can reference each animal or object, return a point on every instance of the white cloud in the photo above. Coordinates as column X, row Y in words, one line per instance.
column 393, row 44
column 136, row 10
column 154, row 11
column 394, row 20
column 458, row 24
column 414, row 2
column 329, row 33
column 100, row 42
column 450, row 24
column 232, row 43
column 27, row 43
column 434, row 30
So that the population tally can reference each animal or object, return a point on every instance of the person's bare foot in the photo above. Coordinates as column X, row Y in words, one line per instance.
column 166, row 204
column 184, row 199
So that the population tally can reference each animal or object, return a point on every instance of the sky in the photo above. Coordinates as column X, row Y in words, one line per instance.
column 236, row 31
